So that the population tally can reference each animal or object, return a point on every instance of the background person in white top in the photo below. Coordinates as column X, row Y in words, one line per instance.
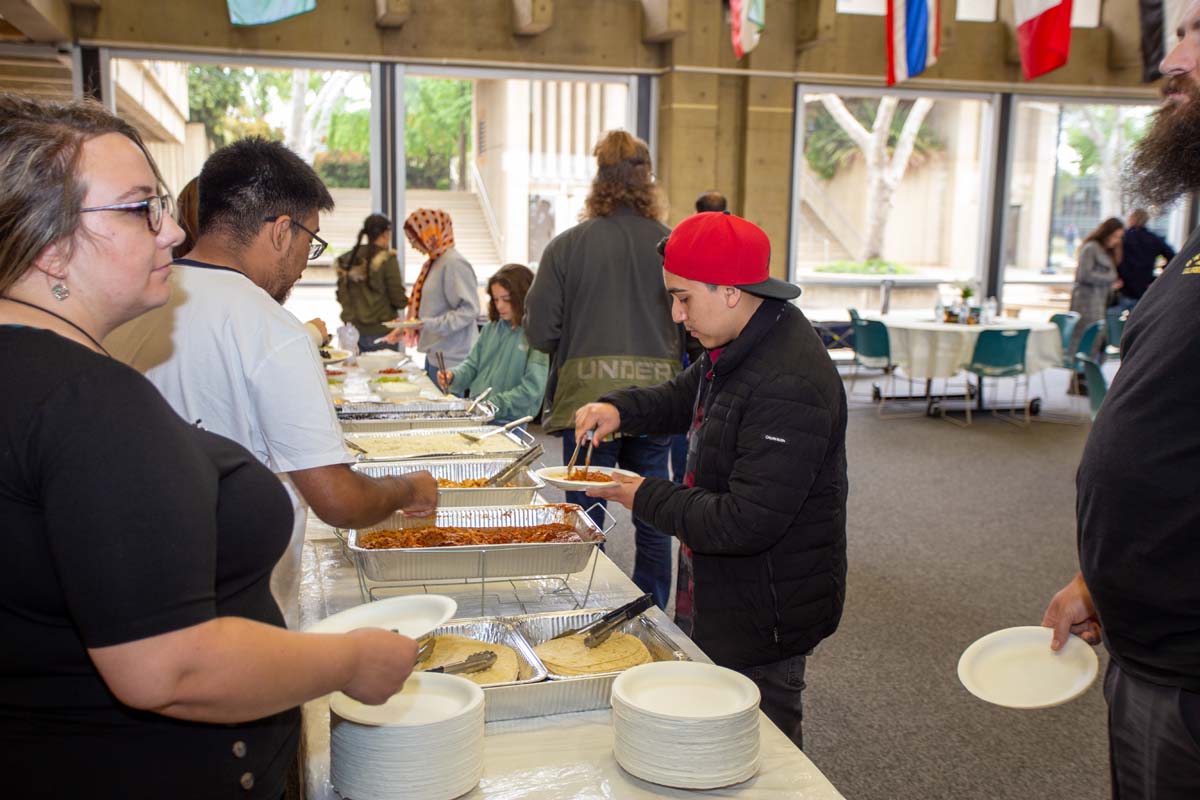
column 226, row 355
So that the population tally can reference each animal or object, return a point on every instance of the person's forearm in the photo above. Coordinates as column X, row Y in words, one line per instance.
column 236, row 670
column 373, row 500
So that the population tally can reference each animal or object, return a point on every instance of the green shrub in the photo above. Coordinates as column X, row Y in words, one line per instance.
column 874, row 266
column 343, row 170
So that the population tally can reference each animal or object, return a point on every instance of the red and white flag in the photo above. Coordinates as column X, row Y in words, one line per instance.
column 1043, row 34
column 747, row 19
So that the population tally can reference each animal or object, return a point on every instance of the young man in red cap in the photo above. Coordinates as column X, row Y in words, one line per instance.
column 761, row 517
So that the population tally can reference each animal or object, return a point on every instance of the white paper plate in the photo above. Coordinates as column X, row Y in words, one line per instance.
column 426, row 699
column 685, row 690
column 555, row 477
column 335, row 356
column 1016, row 668
column 411, row 615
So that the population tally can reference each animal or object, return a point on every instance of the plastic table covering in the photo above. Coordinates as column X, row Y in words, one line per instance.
column 540, row 758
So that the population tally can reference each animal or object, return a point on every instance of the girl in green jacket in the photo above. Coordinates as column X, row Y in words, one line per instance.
column 501, row 357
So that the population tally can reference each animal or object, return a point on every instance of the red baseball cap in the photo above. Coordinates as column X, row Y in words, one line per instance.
column 717, row 247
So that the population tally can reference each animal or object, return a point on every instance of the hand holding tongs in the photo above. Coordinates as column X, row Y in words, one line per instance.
column 599, row 630
column 478, row 400
column 440, row 358
column 506, row 474
column 587, row 460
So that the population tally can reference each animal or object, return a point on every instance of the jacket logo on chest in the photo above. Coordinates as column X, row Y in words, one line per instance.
column 771, row 438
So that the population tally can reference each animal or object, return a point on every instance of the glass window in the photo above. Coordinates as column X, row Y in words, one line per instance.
column 1065, row 180
column 895, row 217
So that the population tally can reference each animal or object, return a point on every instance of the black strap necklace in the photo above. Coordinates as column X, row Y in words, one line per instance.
column 90, row 338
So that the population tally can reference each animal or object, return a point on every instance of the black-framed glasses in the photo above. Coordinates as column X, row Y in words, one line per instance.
column 155, row 207
column 315, row 247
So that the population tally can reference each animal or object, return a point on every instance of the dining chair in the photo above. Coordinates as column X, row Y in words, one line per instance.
column 1066, row 323
column 872, row 350
column 1087, row 344
column 1097, row 385
column 1000, row 354
column 1114, row 321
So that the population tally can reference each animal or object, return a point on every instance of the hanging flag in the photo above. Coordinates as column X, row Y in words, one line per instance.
column 1159, row 19
column 262, row 12
column 914, row 37
column 1043, row 35
column 747, row 18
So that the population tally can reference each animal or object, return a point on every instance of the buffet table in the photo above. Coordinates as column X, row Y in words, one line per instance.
column 552, row 757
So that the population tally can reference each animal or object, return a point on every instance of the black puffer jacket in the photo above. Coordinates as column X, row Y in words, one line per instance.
column 766, row 520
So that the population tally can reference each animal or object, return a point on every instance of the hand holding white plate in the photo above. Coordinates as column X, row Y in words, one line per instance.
column 1016, row 668
column 557, row 477
column 411, row 615
column 332, row 355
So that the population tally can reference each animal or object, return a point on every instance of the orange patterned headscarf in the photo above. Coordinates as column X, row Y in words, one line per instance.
column 429, row 231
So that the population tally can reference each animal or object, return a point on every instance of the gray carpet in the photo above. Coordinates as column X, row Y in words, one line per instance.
column 953, row 533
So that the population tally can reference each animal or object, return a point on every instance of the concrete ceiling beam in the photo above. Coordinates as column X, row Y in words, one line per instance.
column 392, row 13
column 664, row 20
column 531, row 17
column 39, row 20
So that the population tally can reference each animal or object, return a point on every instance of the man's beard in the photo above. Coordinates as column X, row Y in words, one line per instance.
column 1166, row 163
column 281, row 281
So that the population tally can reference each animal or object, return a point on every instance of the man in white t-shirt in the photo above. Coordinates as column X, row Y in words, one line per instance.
column 227, row 356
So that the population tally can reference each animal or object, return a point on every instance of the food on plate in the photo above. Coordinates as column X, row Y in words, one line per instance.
column 465, row 483
column 590, row 476
column 570, row 656
column 324, row 353
column 431, row 443
column 392, row 379
column 448, row 648
column 435, row 536
column 390, row 371
column 332, row 381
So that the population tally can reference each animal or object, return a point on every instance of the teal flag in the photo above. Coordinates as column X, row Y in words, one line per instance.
column 262, row 12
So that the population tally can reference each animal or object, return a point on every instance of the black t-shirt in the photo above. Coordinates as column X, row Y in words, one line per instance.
column 1138, row 505
column 120, row 521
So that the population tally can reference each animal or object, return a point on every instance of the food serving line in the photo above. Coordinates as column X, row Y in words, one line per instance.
column 537, row 743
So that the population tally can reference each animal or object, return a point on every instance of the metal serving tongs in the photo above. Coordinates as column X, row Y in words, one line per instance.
column 587, row 460
column 472, row 437
column 476, row 662
column 524, row 460
column 599, row 630
column 440, row 358
column 475, row 403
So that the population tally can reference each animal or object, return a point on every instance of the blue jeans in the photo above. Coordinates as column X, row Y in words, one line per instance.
column 781, row 686
column 431, row 369
column 647, row 456
column 1126, row 303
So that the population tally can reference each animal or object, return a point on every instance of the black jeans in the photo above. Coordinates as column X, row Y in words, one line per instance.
column 781, row 685
column 1153, row 738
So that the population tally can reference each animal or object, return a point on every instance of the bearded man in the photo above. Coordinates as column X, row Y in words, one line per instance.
column 1138, row 517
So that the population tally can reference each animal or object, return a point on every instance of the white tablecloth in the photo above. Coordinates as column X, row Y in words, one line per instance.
column 924, row 349
column 542, row 758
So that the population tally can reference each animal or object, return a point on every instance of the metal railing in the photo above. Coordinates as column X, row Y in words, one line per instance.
column 489, row 214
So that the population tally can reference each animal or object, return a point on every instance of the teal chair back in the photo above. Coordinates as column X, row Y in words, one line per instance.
column 1097, row 387
column 1087, row 342
column 870, row 338
column 999, row 353
column 1066, row 323
column 1114, row 319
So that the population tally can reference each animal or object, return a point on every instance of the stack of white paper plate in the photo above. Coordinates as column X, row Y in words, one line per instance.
column 424, row 743
column 686, row 725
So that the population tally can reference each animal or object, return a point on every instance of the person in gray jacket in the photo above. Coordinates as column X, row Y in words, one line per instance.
column 599, row 307
column 445, row 298
column 1095, row 276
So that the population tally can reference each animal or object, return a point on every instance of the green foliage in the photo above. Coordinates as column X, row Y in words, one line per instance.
column 232, row 101
column 343, row 170
column 350, row 131
column 874, row 266
column 827, row 147
column 1087, row 128
column 437, row 129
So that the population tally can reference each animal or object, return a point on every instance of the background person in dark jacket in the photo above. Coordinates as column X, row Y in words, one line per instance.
column 1140, row 250
column 598, row 306
column 761, row 516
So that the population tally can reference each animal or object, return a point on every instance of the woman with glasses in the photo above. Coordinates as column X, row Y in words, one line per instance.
column 144, row 656
column 370, row 287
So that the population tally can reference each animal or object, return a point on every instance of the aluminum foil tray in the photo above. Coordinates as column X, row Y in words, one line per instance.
column 519, row 439
column 500, row 631
column 481, row 561
column 566, row 695
column 520, row 492
column 407, row 419
column 368, row 410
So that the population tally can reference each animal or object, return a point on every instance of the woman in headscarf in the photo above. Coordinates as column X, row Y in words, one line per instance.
column 444, row 305
column 370, row 288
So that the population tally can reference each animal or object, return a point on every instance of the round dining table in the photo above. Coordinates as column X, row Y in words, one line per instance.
column 924, row 349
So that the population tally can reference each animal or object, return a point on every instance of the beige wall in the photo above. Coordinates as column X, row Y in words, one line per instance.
column 723, row 124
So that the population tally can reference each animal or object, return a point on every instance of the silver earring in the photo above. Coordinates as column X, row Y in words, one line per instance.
column 60, row 291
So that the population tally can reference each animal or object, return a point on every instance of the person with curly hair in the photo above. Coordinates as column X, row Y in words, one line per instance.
column 599, row 307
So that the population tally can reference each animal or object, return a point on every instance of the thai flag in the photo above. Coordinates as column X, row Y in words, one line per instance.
column 914, row 37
